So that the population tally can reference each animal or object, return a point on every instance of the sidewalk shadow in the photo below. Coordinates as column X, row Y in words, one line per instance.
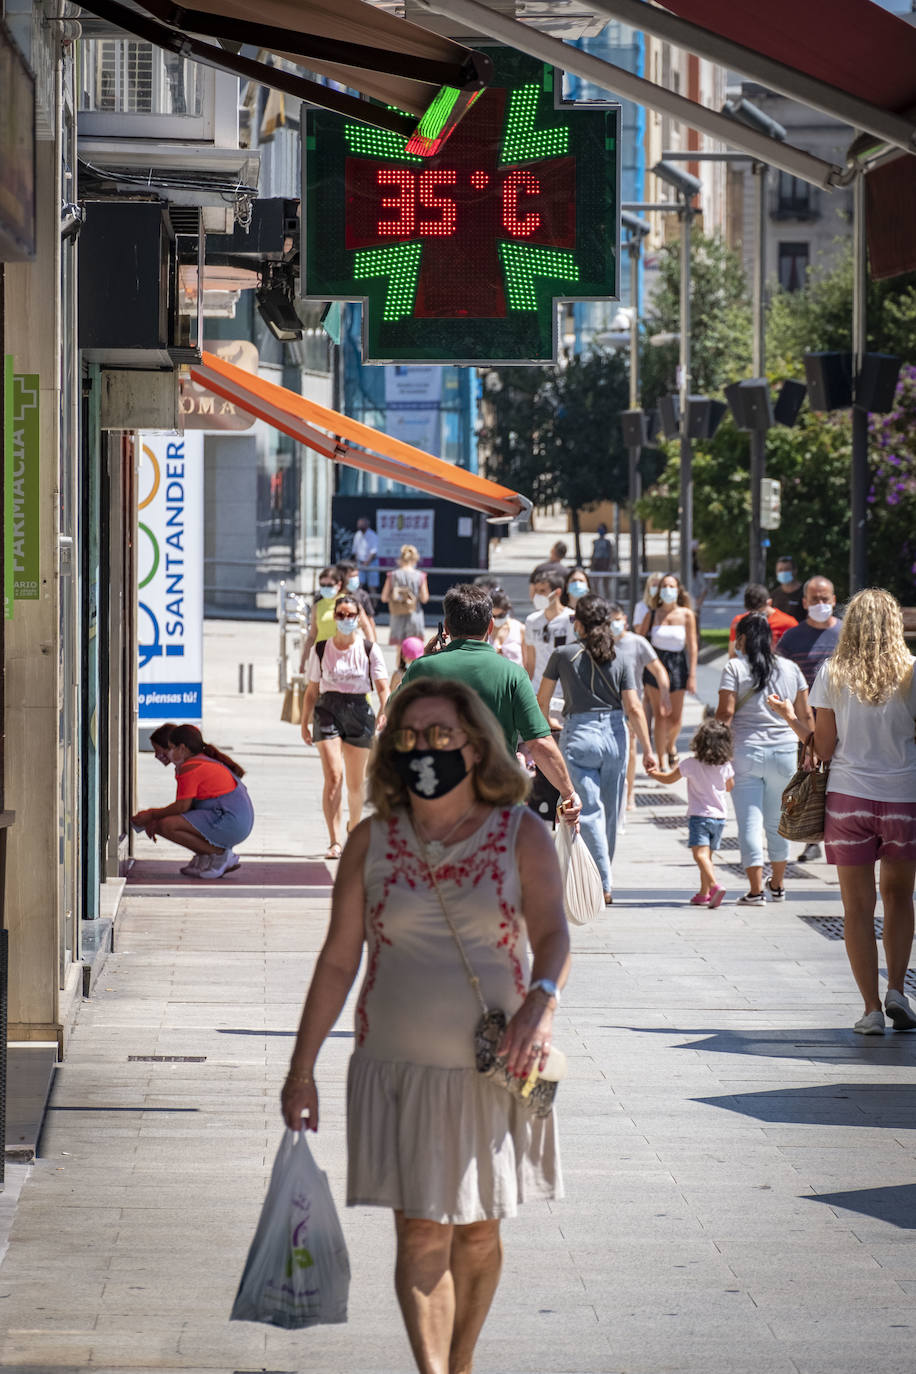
column 282, row 871
column 895, row 1204
column 890, row 1106
column 821, row 1044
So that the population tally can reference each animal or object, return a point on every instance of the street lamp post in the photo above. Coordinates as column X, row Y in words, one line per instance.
column 637, row 229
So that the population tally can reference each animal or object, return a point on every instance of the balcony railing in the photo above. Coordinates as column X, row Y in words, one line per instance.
column 124, row 76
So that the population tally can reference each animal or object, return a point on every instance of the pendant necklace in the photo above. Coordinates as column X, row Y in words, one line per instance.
column 435, row 848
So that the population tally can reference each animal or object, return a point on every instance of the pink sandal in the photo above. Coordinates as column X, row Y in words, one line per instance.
column 715, row 896
column 698, row 899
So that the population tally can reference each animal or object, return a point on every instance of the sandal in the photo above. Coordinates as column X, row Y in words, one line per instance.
column 674, row 759
column 333, row 851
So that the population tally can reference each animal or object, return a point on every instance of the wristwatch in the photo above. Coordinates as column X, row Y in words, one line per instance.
column 546, row 985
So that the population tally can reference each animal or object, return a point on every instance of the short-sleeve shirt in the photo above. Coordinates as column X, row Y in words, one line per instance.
column 754, row 724
column 778, row 621
column 875, row 754
column 808, row 646
column 543, row 636
column 706, row 786
column 790, row 603
column 638, row 652
column 323, row 615
column 201, row 778
column 501, row 685
column 588, row 685
column 351, row 670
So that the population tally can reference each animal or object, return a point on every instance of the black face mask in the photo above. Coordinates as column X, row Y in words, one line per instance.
column 431, row 773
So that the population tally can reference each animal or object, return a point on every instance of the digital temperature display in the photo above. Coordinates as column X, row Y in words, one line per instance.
column 461, row 257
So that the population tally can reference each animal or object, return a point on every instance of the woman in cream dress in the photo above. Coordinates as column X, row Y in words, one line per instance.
column 447, row 1149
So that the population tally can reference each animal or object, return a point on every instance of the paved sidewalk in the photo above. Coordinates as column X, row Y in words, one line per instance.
column 739, row 1165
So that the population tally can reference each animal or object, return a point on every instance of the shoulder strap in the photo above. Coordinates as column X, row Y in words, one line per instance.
column 607, row 681
column 320, row 647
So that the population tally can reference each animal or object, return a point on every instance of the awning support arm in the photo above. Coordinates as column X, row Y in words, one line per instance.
column 898, row 130
column 775, row 153
column 297, row 86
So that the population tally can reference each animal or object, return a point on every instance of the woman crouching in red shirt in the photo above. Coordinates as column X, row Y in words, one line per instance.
column 212, row 810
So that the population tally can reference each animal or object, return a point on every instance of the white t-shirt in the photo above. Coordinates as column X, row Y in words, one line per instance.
column 543, row 636
column 875, row 755
column 365, row 546
column 347, row 670
column 706, row 787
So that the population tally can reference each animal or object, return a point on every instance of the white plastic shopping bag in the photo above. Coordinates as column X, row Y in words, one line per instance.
column 297, row 1272
column 583, row 895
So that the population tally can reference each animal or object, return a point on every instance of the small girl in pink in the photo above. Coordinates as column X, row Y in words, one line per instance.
column 710, row 777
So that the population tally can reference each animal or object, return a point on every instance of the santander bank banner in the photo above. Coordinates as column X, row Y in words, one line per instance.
column 170, row 553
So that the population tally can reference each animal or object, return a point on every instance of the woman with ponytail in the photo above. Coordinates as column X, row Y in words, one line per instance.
column 599, row 691
column 212, row 811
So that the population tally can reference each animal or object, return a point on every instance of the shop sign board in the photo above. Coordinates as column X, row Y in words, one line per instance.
column 7, row 439
column 170, row 617
column 203, row 409
column 25, row 491
column 413, row 406
column 398, row 527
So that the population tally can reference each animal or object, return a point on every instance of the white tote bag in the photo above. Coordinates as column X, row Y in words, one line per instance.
column 583, row 895
column 297, row 1272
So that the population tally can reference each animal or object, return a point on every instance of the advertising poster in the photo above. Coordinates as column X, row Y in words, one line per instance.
column 397, row 527
column 171, row 577
column 413, row 401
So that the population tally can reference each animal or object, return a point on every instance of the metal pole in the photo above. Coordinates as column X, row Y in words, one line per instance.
column 685, row 502
column 859, row 474
column 634, row 490
column 756, row 552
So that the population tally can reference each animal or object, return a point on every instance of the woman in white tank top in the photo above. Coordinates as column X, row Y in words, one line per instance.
column 671, row 628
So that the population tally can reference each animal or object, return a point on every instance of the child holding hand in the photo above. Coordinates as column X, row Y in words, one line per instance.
column 710, row 777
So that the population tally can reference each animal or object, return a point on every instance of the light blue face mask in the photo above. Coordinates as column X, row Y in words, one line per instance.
column 785, row 577
column 353, row 584
column 577, row 588
column 346, row 625
column 326, row 592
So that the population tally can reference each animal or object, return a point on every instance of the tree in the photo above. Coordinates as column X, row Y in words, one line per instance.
column 554, row 433
column 720, row 319
column 892, row 499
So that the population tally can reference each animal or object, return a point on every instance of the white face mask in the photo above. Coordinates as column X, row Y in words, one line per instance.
column 540, row 602
column 820, row 611
column 618, row 627
column 499, row 620
column 668, row 595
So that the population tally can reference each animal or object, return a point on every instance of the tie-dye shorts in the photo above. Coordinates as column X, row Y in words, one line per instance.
column 859, row 831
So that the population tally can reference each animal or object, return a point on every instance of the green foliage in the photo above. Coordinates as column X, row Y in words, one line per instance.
column 554, row 433
column 892, row 499
column 720, row 319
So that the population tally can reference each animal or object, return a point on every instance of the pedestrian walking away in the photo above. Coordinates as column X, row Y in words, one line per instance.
column 603, row 561
column 671, row 627
column 808, row 644
column 405, row 593
column 787, row 594
column 765, row 750
column 710, row 777
column 212, row 810
column 508, row 633
column 865, row 700
column 462, row 652
column 757, row 598
column 341, row 672
column 365, row 552
column 639, row 654
column 599, row 691
column 446, row 1148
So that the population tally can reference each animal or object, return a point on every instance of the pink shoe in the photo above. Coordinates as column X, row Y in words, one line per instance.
column 715, row 896
column 698, row 899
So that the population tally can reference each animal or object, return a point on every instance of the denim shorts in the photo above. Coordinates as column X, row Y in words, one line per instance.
column 705, row 830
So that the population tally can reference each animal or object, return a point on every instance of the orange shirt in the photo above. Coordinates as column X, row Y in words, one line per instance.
column 779, row 623
column 202, row 778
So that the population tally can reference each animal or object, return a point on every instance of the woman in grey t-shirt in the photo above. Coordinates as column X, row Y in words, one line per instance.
column 598, row 692
column 765, row 749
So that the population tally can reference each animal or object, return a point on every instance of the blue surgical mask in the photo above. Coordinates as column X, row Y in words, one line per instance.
column 577, row 588
column 353, row 584
column 618, row 627
column 326, row 592
column 346, row 625
column 668, row 595
column 785, row 578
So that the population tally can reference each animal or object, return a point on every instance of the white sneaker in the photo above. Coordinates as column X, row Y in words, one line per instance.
column 871, row 1024
column 193, row 868
column 899, row 1010
column 221, row 864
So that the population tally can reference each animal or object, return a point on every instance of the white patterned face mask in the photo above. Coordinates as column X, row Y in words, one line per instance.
column 431, row 773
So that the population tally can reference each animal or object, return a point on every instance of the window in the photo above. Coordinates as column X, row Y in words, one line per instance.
column 793, row 265
column 794, row 198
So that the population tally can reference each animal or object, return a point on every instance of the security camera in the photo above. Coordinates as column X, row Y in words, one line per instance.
column 639, row 228
column 682, row 182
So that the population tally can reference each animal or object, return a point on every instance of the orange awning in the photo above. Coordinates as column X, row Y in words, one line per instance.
column 347, row 441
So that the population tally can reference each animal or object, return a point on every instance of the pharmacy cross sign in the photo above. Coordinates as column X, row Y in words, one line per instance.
column 462, row 257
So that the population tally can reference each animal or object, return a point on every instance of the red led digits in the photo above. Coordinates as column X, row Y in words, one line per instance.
column 479, row 180
column 520, row 182
column 403, row 227
column 429, row 180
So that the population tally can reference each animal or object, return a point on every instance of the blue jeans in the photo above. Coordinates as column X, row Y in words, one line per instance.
column 761, row 775
column 594, row 745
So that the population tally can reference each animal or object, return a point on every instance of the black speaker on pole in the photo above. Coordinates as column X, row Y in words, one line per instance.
column 717, row 412
column 697, row 417
column 654, row 425
column 750, row 404
column 829, row 377
column 669, row 408
column 877, row 382
column 635, row 427
column 789, row 402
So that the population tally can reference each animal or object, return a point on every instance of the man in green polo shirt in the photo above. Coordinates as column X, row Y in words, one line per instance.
column 502, row 685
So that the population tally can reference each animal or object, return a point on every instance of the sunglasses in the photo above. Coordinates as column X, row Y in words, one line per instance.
column 436, row 736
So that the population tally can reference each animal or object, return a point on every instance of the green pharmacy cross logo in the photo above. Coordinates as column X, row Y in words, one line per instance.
column 461, row 257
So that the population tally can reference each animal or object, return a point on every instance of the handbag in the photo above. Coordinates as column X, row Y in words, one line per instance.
column 804, row 798
column 291, row 710
column 535, row 1093
column 583, row 894
column 403, row 597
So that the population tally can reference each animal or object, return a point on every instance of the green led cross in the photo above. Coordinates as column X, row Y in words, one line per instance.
column 400, row 263
column 522, row 142
column 522, row 262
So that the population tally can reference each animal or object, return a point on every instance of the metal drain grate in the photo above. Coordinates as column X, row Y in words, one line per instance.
column 670, row 822
column 794, row 872
column 729, row 842
column 831, row 927
column 657, row 799
column 166, row 1059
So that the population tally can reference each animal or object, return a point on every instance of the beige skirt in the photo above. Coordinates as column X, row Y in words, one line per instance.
column 443, row 1145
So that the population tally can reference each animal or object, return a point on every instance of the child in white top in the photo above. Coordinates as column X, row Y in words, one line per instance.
column 710, row 777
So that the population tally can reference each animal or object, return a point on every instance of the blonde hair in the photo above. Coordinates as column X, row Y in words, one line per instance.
column 654, row 579
column 871, row 657
column 497, row 778
column 409, row 554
